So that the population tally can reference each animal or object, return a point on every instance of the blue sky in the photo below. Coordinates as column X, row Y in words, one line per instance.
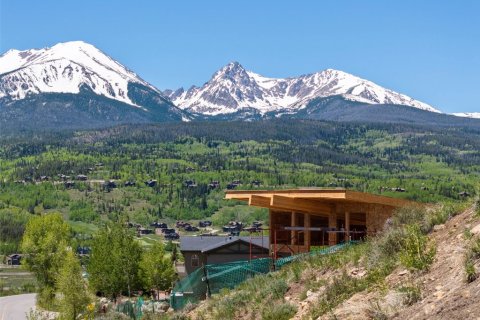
column 429, row 50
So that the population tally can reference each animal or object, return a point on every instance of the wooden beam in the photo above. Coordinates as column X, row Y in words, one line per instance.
column 304, row 205
column 241, row 197
column 289, row 205
column 259, row 201
column 299, row 193
column 287, row 191
column 373, row 198
column 335, row 195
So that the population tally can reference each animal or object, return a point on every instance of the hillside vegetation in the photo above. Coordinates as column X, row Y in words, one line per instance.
column 416, row 269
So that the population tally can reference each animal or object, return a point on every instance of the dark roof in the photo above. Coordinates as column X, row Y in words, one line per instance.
column 208, row 243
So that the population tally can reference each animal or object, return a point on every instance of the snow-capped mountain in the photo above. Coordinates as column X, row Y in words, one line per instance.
column 233, row 88
column 65, row 68
column 473, row 115
column 77, row 79
column 75, row 85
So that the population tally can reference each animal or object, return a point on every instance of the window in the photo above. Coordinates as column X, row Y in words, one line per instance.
column 195, row 260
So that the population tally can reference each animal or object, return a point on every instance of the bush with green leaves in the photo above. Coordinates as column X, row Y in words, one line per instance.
column 417, row 253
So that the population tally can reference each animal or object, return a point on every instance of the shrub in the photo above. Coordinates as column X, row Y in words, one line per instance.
column 440, row 216
column 416, row 252
column 467, row 234
column 227, row 306
column 411, row 294
column 391, row 242
column 375, row 312
column 283, row 311
column 409, row 215
column 472, row 254
column 340, row 289
column 470, row 271
column 277, row 288
column 477, row 207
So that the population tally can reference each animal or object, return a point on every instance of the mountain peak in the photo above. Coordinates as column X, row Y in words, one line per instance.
column 232, row 89
column 232, row 72
column 231, row 68
column 74, row 46
column 65, row 68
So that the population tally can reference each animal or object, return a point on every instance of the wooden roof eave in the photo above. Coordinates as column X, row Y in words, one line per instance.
column 311, row 198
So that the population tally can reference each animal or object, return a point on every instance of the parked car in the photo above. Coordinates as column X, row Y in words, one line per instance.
column 205, row 223
column 172, row 236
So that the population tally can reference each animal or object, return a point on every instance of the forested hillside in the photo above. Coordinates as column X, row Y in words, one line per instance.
column 95, row 176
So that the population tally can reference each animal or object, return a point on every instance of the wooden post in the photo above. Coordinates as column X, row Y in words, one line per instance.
column 347, row 226
column 293, row 223
column 270, row 233
column 306, row 223
column 332, row 223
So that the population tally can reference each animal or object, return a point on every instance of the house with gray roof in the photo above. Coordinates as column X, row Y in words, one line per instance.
column 202, row 250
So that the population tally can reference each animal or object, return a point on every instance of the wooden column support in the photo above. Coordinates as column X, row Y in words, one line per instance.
column 293, row 223
column 347, row 226
column 332, row 223
column 306, row 224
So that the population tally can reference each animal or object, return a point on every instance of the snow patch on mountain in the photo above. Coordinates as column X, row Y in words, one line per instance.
column 233, row 88
column 473, row 115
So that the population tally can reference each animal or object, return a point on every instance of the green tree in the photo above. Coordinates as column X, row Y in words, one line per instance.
column 74, row 298
column 114, row 261
column 156, row 269
column 44, row 243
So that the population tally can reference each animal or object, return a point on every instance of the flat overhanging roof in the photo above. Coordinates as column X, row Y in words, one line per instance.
column 311, row 199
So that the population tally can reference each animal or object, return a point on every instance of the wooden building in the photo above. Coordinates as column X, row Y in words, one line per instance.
column 302, row 219
column 199, row 251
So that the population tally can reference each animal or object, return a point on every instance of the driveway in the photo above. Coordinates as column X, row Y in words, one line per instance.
column 16, row 307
